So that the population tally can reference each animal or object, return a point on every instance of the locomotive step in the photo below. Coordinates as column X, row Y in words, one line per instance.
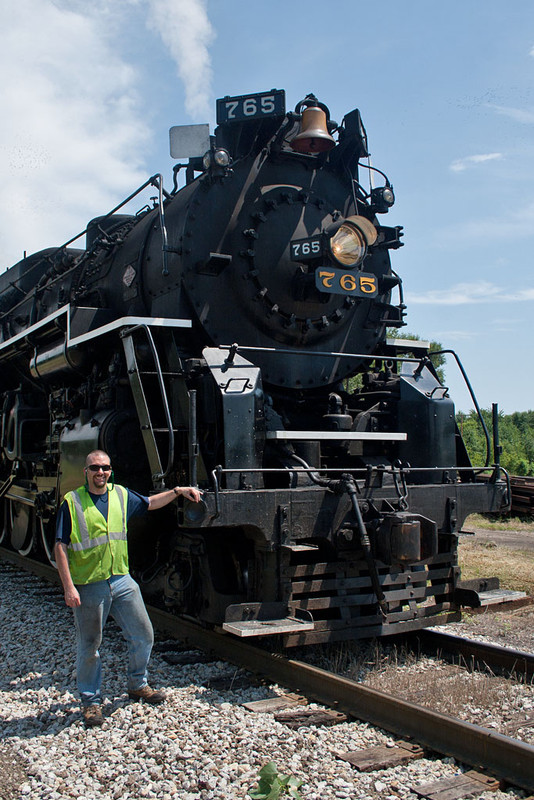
column 267, row 627
column 324, row 435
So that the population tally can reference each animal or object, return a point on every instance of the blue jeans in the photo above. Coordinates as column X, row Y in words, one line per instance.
column 121, row 597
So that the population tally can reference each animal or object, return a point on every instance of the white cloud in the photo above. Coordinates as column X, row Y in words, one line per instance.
column 462, row 164
column 522, row 115
column 515, row 225
column 455, row 335
column 470, row 293
column 72, row 137
column 74, row 131
column 186, row 31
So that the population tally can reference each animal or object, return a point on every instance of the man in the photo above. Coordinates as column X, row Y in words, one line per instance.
column 91, row 554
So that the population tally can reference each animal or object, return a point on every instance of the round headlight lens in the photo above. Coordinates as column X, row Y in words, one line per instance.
column 221, row 157
column 348, row 245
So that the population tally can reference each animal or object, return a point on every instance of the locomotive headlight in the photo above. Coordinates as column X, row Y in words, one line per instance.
column 221, row 157
column 348, row 246
column 382, row 198
column 350, row 239
column 216, row 158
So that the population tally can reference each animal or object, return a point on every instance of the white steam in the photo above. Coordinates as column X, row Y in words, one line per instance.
column 186, row 31
column 72, row 136
column 75, row 133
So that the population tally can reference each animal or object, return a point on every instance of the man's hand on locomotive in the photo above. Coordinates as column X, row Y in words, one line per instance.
column 160, row 500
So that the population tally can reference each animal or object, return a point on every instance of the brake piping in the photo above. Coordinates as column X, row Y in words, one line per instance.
column 346, row 484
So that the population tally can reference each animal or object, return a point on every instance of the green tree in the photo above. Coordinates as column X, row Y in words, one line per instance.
column 516, row 437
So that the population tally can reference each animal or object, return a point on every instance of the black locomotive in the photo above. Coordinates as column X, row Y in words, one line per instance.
column 233, row 335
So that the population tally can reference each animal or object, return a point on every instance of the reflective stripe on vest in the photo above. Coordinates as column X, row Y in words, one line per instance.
column 105, row 553
column 86, row 541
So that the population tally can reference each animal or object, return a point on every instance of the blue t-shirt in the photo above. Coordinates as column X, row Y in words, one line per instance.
column 137, row 504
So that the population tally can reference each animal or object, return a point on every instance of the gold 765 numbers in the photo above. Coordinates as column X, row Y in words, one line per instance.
column 339, row 282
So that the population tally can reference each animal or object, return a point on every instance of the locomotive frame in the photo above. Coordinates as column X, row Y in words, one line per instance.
column 213, row 339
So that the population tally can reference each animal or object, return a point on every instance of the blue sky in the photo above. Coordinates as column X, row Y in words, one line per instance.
column 446, row 93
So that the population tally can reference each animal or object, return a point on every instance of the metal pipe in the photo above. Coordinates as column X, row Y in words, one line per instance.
column 157, row 181
column 497, row 449
column 350, row 488
column 358, row 470
column 193, row 437
column 152, row 181
column 319, row 353
column 473, row 398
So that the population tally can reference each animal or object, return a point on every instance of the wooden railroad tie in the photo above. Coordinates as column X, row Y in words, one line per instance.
column 272, row 704
column 382, row 757
column 310, row 716
column 287, row 708
column 468, row 784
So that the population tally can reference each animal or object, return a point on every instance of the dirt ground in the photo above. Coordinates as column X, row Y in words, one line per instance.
column 509, row 627
column 12, row 773
column 514, row 539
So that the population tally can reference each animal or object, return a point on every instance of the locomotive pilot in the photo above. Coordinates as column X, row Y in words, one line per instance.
column 91, row 554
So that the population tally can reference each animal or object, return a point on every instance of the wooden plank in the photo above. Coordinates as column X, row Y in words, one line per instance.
column 382, row 757
column 267, row 627
column 416, row 593
column 401, row 580
column 277, row 703
column 468, row 784
column 307, row 717
column 358, row 571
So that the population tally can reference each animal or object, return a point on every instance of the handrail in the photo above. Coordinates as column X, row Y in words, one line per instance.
column 154, row 180
column 163, row 391
column 376, row 357
column 362, row 472
column 142, row 406
column 473, row 397
column 319, row 353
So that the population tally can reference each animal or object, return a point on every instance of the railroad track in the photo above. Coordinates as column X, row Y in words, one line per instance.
column 507, row 758
column 475, row 655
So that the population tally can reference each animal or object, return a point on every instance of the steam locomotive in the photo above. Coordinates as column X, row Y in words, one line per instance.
column 235, row 334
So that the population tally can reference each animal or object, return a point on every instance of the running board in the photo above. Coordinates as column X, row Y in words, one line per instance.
column 358, row 436
column 480, row 592
column 265, row 619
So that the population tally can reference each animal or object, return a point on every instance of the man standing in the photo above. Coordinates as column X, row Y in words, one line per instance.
column 91, row 554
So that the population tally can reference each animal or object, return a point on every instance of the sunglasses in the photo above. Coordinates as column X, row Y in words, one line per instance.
column 98, row 467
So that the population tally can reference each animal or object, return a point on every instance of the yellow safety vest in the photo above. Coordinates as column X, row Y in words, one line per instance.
column 98, row 547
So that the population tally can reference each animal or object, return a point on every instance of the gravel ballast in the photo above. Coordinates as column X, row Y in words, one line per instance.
column 201, row 743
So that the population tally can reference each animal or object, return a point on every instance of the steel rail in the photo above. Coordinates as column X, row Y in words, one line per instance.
column 479, row 654
column 479, row 747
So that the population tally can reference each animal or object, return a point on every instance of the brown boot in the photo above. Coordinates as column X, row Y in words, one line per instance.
column 92, row 716
column 148, row 694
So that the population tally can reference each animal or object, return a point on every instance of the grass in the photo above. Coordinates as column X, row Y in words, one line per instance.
column 479, row 559
column 499, row 523
column 450, row 689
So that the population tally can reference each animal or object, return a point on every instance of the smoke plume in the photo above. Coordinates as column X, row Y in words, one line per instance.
column 187, row 33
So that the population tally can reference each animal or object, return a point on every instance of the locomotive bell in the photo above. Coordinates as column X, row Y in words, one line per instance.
column 313, row 136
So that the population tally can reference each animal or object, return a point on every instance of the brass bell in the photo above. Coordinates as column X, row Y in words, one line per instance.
column 313, row 136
